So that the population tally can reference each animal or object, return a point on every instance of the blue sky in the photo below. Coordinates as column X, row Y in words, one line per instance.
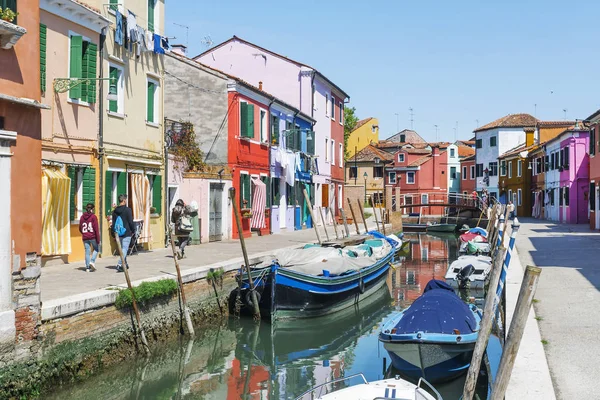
column 450, row 61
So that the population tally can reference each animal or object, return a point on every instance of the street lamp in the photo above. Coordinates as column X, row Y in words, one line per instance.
column 365, row 175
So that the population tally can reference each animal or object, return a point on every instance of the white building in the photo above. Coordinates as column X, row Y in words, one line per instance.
column 494, row 139
column 453, row 169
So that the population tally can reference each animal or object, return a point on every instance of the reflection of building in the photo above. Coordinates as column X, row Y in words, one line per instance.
column 256, row 386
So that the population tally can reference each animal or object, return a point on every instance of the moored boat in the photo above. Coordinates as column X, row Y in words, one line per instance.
column 434, row 338
column 469, row 271
column 441, row 228
column 475, row 248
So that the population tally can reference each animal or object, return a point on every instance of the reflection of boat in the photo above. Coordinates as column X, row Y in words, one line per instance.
column 313, row 281
column 434, row 338
column 414, row 227
column 471, row 271
column 441, row 228
column 393, row 388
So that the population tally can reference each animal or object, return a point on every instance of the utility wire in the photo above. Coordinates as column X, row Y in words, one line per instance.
column 194, row 86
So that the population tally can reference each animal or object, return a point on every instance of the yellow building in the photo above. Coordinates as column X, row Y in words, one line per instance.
column 365, row 133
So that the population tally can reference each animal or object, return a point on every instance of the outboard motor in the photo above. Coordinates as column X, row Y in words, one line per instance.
column 463, row 275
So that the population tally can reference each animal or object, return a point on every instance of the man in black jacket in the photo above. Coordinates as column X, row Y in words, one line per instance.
column 127, row 217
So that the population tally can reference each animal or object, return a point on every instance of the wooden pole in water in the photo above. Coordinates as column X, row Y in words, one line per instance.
column 382, row 220
column 312, row 215
column 136, row 311
column 515, row 333
column 374, row 213
column 323, row 222
column 238, row 224
column 345, row 222
column 362, row 214
column 353, row 217
column 186, row 311
column 335, row 224
column 485, row 327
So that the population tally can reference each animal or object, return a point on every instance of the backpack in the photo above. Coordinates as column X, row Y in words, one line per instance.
column 185, row 224
column 119, row 227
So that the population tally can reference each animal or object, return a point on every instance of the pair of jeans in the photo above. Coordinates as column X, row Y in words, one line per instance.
column 183, row 241
column 91, row 246
column 125, row 242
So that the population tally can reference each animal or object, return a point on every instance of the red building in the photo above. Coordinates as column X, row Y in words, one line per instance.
column 337, row 148
column 594, row 193
column 468, row 182
column 248, row 154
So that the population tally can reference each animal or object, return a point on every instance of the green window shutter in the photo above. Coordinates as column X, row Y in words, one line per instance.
column 75, row 64
column 150, row 112
column 72, row 172
column 243, row 119
column 113, row 4
column 108, row 191
column 89, row 72
column 250, row 119
column 266, row 180
column 121, row 184
column 274, row 129
column 89, row 186
column 275, row 191
column 113, row 88
column 43, row 31
column 151, row 15
column 310, row 144
column 157, row 193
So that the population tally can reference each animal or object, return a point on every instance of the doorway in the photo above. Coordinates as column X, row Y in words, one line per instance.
column 597, row 207
column 215, row 213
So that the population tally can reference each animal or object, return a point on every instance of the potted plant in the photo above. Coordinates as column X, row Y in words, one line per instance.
column 152, row 210
column 246, row 214
column 8, row 15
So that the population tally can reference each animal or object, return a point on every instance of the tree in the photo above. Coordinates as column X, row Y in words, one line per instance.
column 350, row 121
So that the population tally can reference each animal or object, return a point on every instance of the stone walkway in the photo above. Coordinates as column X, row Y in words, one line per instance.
column 568, row 297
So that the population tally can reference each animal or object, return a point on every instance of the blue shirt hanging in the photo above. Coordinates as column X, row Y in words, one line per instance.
column 157, row 44
column 119, row 28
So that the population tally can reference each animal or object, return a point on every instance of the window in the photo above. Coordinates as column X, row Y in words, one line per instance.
column 559, row 159
column 314, row 97
column 263, row 126
column 274, row 129
column 401, row 157
column 493, row 167
column 332, row 152
column 116, row 183
column 510, row 195
column 378, row 172
column 592, row 196
column 245, row 188
column 402, row 138
column 392, row 177
column 326, row 105
column 332, row 107
column 266, row 180
column 410, row 178
column 83, row 190
column 424, row 199
column 479, row 170
column 341, row 113
column 152, row 102
column 353, row 173
column 519, row 196
column 326, row 150
column 552, row 164
column 519, row 168
column 116, row 94
column 546, row 163
column 43, row 31
column 452, row 153
column 566, row 194
column 453, row 173
column 275, row 192
column 83, row 56
column 552, row 197
column 592, row 144
column 503, row 168
column 538, row 165
column 114, row 4
column 509, row 169
column 566, row 152
column 156, row 192
column 12, row 4
column 464, row 173
column 493, row 140
column 472, row 172
column 151, row 14
column 290, row 195
column 246, row 120
column 341, row 146
column 1, row 123
column 479, row 143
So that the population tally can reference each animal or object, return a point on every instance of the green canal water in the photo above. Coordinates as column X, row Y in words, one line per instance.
column 243, row 360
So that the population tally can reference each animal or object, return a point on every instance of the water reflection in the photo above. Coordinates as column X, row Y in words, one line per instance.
column 244, row 360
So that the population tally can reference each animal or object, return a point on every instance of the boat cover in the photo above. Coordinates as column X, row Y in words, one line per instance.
column 391, row 239
column 469, row 236
column 479, row 262
column 479, row 231
column 315, row 260
column 437, row 310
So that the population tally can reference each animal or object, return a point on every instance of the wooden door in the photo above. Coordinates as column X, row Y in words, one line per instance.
column 325, row 195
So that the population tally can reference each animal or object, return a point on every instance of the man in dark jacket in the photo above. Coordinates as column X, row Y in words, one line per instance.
column 183, row 236
column 90, row 234
column 127, row 217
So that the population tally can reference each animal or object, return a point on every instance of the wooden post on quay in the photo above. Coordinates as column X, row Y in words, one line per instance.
column 323, row 221
column 382, row 220
column 515, row 333
column 345, row 222
column 485, row 327
column 335, row 224
column 353, row 217
column 186, row 310
column 374, row 213
column 238, row 224
column 136, row 311
column 312, row 215
column 362, row 214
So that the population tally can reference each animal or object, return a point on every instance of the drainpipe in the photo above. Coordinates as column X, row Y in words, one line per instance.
column 270, row 182
column 101, row 135
column 312, row 115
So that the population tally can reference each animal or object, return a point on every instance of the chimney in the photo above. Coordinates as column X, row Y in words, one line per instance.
column 180, row 49
column 529, row 136
column 260, row 85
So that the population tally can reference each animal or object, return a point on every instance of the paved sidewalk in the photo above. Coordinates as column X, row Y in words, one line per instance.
column 569, row 299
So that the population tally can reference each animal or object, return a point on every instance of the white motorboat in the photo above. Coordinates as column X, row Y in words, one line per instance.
column 473, row 247
column 471, row 271
column 385, row 389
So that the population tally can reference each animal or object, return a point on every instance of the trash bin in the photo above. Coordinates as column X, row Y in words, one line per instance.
column 196, row 223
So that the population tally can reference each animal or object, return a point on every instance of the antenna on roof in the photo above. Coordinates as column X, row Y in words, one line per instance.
column 535, row 110
column 207, row 41
column 565, row 111
column 187, row 32
column 410, row 110
column 455, row 131
column 436, row 133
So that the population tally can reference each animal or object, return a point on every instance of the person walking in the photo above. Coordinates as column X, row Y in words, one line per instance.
column 90, row 234
column 181, row 217
column 511, row 210
column 122, row 228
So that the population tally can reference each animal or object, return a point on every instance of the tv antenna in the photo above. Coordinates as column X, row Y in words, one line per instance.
column 436, row 133
column 187, row 32
column 565, row 111
column 207, row 41
column 410, row 110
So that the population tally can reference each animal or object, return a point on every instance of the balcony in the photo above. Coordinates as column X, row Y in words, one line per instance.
column 10, row 34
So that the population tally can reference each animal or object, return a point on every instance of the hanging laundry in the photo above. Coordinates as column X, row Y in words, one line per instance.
column 143, row 44
column 290, row 168
column 131, row 29
column 157, row 45
column 298, row 162
column 164, row 42
column 150, row 41
column 119, row 28
column 125, row 35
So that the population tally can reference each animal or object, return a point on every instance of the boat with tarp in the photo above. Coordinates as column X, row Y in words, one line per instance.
column 469, row 272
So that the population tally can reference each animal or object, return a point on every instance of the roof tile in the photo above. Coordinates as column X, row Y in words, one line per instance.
column 510, row 121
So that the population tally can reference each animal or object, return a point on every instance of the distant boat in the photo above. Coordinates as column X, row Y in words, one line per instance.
column 434, row 338
column 441, row 228
column 469, row 271
column 414, row 227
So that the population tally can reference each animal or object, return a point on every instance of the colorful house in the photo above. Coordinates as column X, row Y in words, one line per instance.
column 594, row 150
column 366, row 172
column 71, row 35
column 515, row 179
column 467, row 175
column 365, row 132
column 567, row 178
column 538, row 180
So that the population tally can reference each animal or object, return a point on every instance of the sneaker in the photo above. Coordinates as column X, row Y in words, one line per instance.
column 119, row 268
column 92, row 267
column 87, row 269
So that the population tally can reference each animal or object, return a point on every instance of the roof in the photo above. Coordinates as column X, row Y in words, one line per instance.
column 555, row 124
column 94, row 9
column 420, row 161
column 236, row 38
column 510, row 121
column 370, row 152
column 362, row 122
column 469, row 158
column 594, row 116
column 440, row 145
column 465, row 151
column 515, row 150
column 470, row 142
column 411, row 150
column 410, row 136
column 577, row 127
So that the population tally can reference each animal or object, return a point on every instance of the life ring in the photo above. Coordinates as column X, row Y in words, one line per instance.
column 361, row 286
column 249, row 298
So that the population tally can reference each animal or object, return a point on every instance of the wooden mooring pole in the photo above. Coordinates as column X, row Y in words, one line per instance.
column 345, row 222
column 374, row 213
column 362, row 214
column 353, row 217
column 382, row 220
column 136, row 311
column 238, row 224
column 323, row 222
column 515, row 333
column 312, row 215
column 186, row 310
column 335, row 224
column 485, row 327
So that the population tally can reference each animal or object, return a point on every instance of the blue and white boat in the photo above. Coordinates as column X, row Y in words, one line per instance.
column 434, row 338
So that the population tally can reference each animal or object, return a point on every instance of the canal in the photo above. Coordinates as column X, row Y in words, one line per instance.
column 244, row 360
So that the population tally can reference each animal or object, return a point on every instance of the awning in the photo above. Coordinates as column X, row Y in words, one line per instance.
column 259, row 203
column 56, row 227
